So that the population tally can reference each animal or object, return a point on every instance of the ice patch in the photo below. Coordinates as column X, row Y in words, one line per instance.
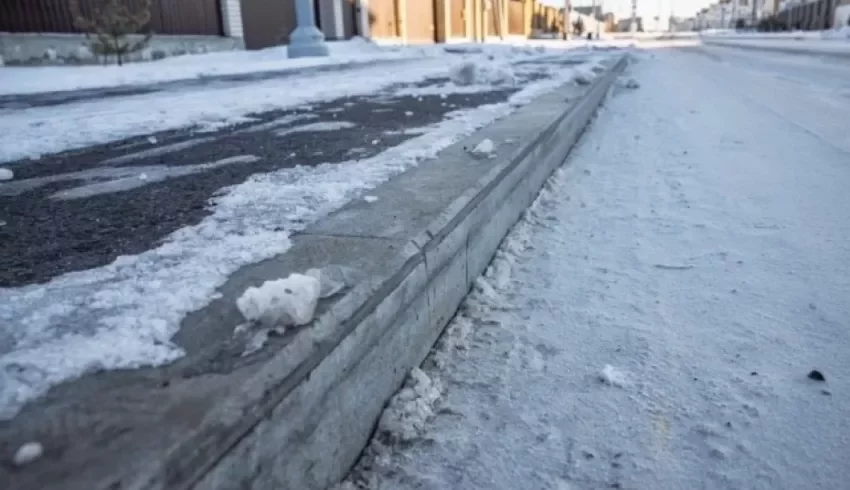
column 317, row 127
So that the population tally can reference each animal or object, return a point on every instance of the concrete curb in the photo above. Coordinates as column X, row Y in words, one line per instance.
column 786, row 48
column 297, row 414
column 382, row 338
column 319, row 416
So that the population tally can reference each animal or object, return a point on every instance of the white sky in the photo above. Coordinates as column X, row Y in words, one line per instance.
column 646, row 8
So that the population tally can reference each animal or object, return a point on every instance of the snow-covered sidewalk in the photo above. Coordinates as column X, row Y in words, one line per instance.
column 39, row 79
column 656, row 319
column 833, row 42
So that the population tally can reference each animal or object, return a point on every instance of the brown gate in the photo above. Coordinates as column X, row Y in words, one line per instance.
column 201, row 17
column 349, row 19
column 516, row 17
column 491, row 25
column 267, row 23
column 420, row 17
column 459, row 18
column 383, row 18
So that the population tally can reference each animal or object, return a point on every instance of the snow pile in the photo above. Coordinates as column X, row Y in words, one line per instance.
column 485, row 147
column 630, row 83
column 611, row 376
column 583, row 75
column 405, row 417
column 28, row 453
column 6, row 174
column 282, row 302
column 291, row 301
column 472, row 73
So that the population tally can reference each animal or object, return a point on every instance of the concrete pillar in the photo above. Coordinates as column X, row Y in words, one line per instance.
column 363, row 18
column 527, row 16
column 468, row 18
column 330, row 16
column 306, row 40
column 231, row 18
column 401, row 11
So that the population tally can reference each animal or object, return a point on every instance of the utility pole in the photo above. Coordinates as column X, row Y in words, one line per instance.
column 595, row 17
column 634, row 26
column 755, row 12
column 567, row 26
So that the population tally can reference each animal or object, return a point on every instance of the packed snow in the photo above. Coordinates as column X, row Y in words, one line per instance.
column 670, row 313
column 123, row 315
column 282, row 303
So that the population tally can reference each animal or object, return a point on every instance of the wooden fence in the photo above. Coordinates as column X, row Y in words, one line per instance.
column 199, row 17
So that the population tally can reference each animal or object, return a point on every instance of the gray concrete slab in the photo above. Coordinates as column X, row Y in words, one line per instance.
column 296, row 413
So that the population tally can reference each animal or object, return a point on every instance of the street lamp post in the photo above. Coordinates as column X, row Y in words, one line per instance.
column 306, row 40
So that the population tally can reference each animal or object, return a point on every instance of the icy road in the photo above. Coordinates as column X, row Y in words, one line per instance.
column 653, row 322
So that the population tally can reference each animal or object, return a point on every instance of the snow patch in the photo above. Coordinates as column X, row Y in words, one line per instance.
column 370, row 199
column 28, row 453
column 281, row 303
column 471, row 73
column 485, row 147
column 408, row 411
column 611, row 376
column 631, row 83
column 6, row 174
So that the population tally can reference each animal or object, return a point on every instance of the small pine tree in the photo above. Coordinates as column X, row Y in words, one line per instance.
column 109, row 24
column 578, row 27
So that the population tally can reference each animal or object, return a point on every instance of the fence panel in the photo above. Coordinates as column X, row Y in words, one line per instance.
column 200, row 17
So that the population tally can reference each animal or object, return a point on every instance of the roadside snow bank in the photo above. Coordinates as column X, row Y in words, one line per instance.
column 38, row 79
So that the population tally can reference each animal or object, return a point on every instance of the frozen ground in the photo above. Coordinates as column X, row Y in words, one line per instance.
column 124, row 314
column 652, row 322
